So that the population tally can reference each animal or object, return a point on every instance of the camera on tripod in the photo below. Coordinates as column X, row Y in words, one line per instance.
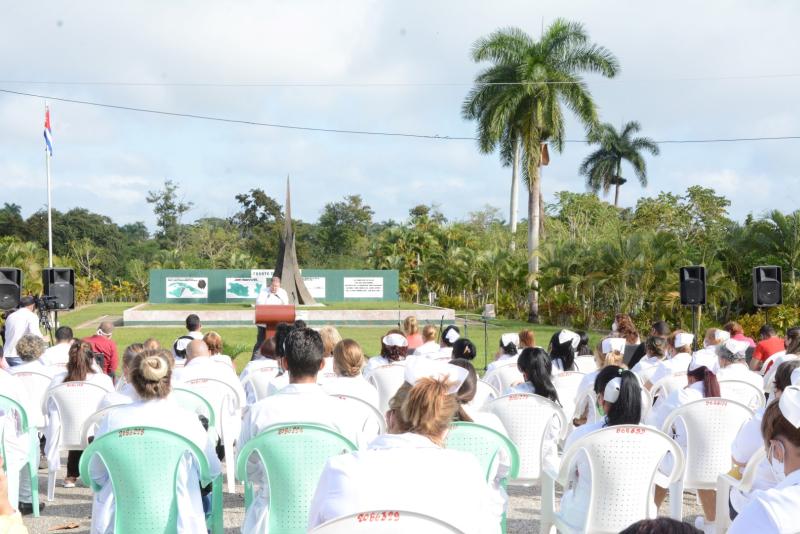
column 44, row 305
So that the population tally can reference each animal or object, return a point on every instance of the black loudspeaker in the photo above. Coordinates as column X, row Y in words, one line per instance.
column 693, row 285
column 60, row 283
column 767, row 286
column 10, row 287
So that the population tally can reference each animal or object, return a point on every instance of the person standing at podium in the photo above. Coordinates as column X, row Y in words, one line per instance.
column 271, row 295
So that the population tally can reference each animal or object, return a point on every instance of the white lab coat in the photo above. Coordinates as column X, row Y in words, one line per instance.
column 353, row 386
column 57, row 354
column 747, row 442
column 222, row 358
column 277, row 384
column 266, row 296
column 125, row 395
column 17, row 444
column 773, row 510
column 296, row 403
column 677, row 364
column 20, row 323
column 646, row 368
column 379, row 361
column 740, row 371
column 429, row 348
column 408, row 472
column 327, row 372
column 36, row 366
column 501, row 360
column 168, row 415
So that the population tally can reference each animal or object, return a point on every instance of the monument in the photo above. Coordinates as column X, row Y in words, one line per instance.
column 287, row 268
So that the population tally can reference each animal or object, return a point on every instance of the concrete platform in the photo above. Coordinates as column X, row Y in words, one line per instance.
column 318, row 316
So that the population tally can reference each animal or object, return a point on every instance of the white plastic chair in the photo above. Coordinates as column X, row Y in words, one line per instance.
column 75, row 402
column 89, row 426
column 668, row 384
column 228, row 414
column 387, row 379
column 36, row 385
column 484, row 394
column 526, row 418
column 711, row 424
column 768, row 364
column 258, row 381
column 743, row 392
column 358, row 420
column 585, row 364
column 567, row 384
column 769, row 376
column 386, row 522
column 745, row 484
column 623, row 461
column 504, row 376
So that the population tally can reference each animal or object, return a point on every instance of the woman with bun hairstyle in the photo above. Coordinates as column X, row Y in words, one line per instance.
column 348, row 361
column 508, row 351
column 464, row 349
column 151, row 373
column 394, row 349
column 409, row 468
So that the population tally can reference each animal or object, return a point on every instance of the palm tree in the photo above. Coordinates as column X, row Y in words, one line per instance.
column 520, row 97
column 603, row 167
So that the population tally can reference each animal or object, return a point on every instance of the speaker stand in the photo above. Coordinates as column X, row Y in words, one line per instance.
column 694, row 326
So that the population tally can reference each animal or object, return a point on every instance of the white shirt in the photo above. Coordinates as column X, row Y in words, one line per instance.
column 429, row 348
column 266, row 296
column 125, row 395
column 37, row 366
column 222, row 358
column 327, row 372
column 407, row 472
column 168, row 415
column 677, row 364
column 378, row 361
column 353, row 386
column 501, row 360
column 20, row 323
column 747, row 442
column 57, row 354
column 740, row 371
column 183, row 343
column 253, row 366
column 646, row 368
column 773, row 510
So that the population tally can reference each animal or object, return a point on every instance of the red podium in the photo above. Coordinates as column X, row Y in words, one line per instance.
column 270, row 315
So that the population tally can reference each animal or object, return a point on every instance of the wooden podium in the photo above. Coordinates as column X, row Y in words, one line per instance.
column 270, row 315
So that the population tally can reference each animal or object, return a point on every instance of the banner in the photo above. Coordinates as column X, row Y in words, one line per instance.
column 243, row 288
column 315, row 286
column 187, row 287
column 262, row 274
column 363, row 287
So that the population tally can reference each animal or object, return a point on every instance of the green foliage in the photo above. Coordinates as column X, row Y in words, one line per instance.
column 169, row 210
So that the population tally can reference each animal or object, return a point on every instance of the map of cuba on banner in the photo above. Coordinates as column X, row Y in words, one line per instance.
column 187, row 287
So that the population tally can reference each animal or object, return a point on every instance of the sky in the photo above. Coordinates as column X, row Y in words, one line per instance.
column 689, row 70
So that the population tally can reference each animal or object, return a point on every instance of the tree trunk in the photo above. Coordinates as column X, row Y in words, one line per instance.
column 512, row 212
column 619, row 179
column 533, row 242
column 616, row 195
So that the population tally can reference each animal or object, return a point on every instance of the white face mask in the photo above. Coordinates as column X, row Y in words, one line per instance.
column 614, row 326
column 775, row 465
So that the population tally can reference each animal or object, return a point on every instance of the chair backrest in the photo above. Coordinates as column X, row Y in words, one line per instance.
column 220, row 395
column 137, row 460
column 668, row 384
column 484, row 443
column 387, row 379
column 711, row 425
column 585, row 364
column 75, row 402
column 743, row 392
column 587, row 403
column 358, row 420
column 623, row 461
column 504, row 376
column 526, row 418
column 484, row 393
column 258, row 381
column 90, row 424
column 385, row 522
column 293, row 456
column 36, row 385
column 769, row 363
column 192, row 401
column 567, row 384
column 8, row 404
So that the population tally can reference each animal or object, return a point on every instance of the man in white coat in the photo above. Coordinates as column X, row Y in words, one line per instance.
column 58, row 354
column 733, row 363
column 21, row 322
column 303, row 400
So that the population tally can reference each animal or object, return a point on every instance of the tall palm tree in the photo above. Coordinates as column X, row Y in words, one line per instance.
column 520, row 96
column 603, row 167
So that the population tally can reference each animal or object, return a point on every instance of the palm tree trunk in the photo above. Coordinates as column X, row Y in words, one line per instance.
column 619, row 179
column 533, row 242
column 616, row 195
column 512, row 215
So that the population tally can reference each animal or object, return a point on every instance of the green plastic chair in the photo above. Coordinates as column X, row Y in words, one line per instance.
column 485, row 444
column 293, row 456
column 140, row 461
column 9, row 404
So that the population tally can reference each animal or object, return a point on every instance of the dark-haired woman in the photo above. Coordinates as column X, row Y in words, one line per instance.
column 619, row 398
column 562, row 350
column 655, row 352
column 394, row 349
column 80, row 367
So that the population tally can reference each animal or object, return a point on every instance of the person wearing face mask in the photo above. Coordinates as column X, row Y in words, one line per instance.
column 677, row 362
column 775, row 510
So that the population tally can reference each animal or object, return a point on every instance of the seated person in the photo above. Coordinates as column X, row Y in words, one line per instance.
column 409, row 469
column 150, row 377
column 10, row 519
column 330, row 337
column 609, row 352
column 655, row 352
column 450, row 335
column 266, row 359
column 193, row 332
column 464, row 349
column 562, row 350
column 214, row 343
column 507, row 352
column 17, row 444
column 125, row 392
column 200, row 366
column 58, row 354
column 394, row 349
column 30, row 351
column 733, row 364
column 348, row 361
column 429, row 344
column 678, row 359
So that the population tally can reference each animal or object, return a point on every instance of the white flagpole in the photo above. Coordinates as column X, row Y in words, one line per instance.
column 49, row 204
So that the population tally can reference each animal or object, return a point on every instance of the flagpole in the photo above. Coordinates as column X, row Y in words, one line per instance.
column 49, row 204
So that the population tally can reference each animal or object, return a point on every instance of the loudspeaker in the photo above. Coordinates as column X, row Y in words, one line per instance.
column 767, row 286
column 693, row 285
column 60, row 283
column 10, row 287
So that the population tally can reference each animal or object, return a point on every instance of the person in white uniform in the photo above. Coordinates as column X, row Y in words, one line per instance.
column 215, row 345
column 677, row 362
column 409, row 469
column 271, row 295
column 193, row 332
column 713, row 338
column 749, row 440
column 562, row 350
column 429, row 344
column 733, row 363
column 609, row 352
column 508, row 352
column 150, row 376
column 619, row 398
column 655, row 351
column 330, row 338
column 702, row 384
column 394, row 349
column 58, row 354
column 266, row 361
column 80, row 367
column 348, row 361
column 302, row 401
column 124, row 393
column 450, row 335
column 775, row 510
column 21, row 322
column 466, row 393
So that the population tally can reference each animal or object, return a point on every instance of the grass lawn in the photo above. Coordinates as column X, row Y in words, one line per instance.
column 93, row 311
column 239, row 340
column 366, row 305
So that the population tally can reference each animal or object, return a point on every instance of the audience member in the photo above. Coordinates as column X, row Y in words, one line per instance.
column 16, row 445
column 30, row 350
column 609, row 352
column 19, row 323
column 680, row 343
column 125, row 392
column 429, row 344
column 623, row 327
column 464, row 349
column 655, row 352
column 562, row 350
column 768, row 344
column 733, row 363
column 737, row 333
column 583, row 348
column 214, row 343
column 10, row 519
column 411, row 331
column 267, row 359
column 103, row 347
column 466, row 394
column 330, row 338
column 661, row 525
column 348, row 362
column 200, row 366
column 394, row 349
column 152, row 343
column 58, row 354
column 193, row 327
column 450, row 335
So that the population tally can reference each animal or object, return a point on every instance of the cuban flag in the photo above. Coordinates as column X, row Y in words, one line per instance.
column 48, row 133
